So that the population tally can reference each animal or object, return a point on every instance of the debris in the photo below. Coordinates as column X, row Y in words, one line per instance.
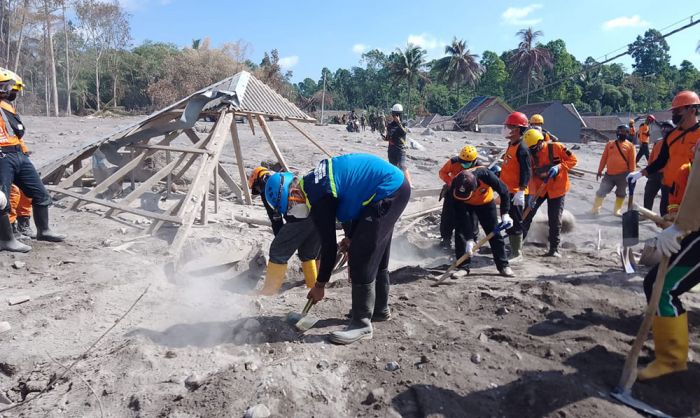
column 550, row 353
column 374, row 395
column 170, row 354
column 257, row 411
column 249, row 365
column 476, row 358
column 251, row 325
column 18, row 299
column 424, row 359
column 428, row 132
column 459, row 274
column 4, row 326
column 502, row 311
column 4, row 399
column 392, row 366
column 18, row 265
column 483, row 337
column 193, row 382
column 322, row 365
column 8, row 369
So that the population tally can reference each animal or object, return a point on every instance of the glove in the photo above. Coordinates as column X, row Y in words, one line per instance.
column 519, row 198
column 668, row 240
column 506, row 222
column 553, row 171
column 470, row 246
column 598, row 176
column 634, row 176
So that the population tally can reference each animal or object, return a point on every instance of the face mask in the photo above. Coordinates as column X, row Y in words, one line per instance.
column 467, row 164
column 539, row 128
column 505, row 132
column 621, row 137
column 676, row 118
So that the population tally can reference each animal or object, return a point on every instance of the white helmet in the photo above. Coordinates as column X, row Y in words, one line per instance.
column 397, row 108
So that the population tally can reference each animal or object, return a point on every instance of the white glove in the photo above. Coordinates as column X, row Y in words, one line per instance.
column 506, row 221
column 668, row 240
column 470, row 246
column 634, row 176
column 519, row 198
column 3, row 200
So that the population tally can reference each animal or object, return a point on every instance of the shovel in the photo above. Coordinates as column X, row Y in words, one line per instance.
column 533, row 200
column 303, row 322
column 630, row 230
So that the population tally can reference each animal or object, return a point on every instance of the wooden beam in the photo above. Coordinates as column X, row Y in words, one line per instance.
column 301, row 131
column 271, row 140
column 204, row 217
column 155, row 226
column 250, row 122
column 216, row 190
column 107, row 203
column 239, row 162
column 75, row 177
column 173, row 148
column 77, row 165
column 235, row 188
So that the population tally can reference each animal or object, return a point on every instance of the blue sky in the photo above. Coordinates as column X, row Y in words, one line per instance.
column 310, row 35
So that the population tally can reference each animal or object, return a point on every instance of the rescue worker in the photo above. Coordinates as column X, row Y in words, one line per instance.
column 367, row 195
column 16, row 168
column 618, row 157
column 643, row 136
column 363, row 120
column 670, row 326
column 396, row 135
column 516, row 172
column 633, row 132
column 20, row 213
column 467, row 158
column 381, row 123
column 676, row 148
column 473, row 200
column 293, row 233
column 653, row 185
column 537, row 122
column 551, row 162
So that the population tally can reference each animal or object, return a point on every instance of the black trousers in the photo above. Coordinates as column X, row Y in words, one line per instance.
column 15, row 167
column 447, row 218
column 665, row 191
column 651, row 189
column 643, row 152
column 300, row 236
column 555, row 209
column 466, row 217
column 515, row 212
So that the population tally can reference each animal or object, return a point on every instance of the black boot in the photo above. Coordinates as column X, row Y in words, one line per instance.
column 553, row 252
column 381, row 301
column 360, row 326
column 41, row 220
column 15, row 231
column 24, row 228
column 7, row 238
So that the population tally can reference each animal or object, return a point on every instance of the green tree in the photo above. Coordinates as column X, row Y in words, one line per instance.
column 530, row 59
column 650, row 53
column 494, row 76
column 407, row 65
column 460, row 67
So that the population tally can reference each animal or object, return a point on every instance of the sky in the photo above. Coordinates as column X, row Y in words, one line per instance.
column 310, row 35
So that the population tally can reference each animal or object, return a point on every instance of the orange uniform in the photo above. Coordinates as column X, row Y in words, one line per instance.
column 481, row 196
column 643, row 134
column 551, row 154
column 515, row 170
column 20, row 205
column 7, row 135
column 632, row 131
column 680, row 183
column 450, row 169
column 676, row 150
column 619, row 157
column 655, row 151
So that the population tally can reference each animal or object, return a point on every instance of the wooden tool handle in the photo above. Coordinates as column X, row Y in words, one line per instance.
column 653, row 216
column 465, row 257
column 537, row 196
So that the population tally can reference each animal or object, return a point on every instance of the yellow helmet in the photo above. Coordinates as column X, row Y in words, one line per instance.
column 468, row 153
column 537, row 119
column 532, row 137
column 11, row 77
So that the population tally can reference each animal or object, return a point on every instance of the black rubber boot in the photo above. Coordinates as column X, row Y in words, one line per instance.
column 15, row 231
column 553, row 252
column 24, row 228
column 8, row 242
column 382, row 312
column 41, row 220
column 360, row 326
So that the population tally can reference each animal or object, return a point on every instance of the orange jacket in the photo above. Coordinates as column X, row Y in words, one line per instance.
column 565, row 159
column 20, row 204
column 450, row 170
column 613, row 157
column 7, row 136
column 679, row 185
column 655, row 151
column 676, row 150
column 515, row 170
column 632, row 131
column 643, row 133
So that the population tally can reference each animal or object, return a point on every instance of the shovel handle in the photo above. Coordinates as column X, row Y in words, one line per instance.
column 630, row 189
column 465, row 257
column 537, row 196
column 307, row 307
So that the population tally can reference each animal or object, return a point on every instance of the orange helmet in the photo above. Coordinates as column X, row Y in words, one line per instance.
column 685, row 98
column 254, row 181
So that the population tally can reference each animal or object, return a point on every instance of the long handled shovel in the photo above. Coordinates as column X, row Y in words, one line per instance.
column 630, row 231
column 538, row 194
column 622, row 391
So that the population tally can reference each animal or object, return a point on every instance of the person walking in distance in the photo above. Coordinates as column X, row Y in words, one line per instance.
column 396, row 135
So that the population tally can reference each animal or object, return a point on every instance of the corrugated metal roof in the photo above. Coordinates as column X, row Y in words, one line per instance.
column 469, row 114
column 604, row 123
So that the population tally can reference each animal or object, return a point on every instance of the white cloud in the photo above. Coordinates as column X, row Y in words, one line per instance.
column 287, row 63
column 425, row 41
column 625, row 22
column 359, row 48
column 521, row 15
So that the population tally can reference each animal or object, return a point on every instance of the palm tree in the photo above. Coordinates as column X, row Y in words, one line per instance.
column 459, row 67
column 529, row 59
column 407, row 65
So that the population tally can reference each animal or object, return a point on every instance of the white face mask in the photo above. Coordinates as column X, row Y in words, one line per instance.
column 298, row 210
column 505, row 132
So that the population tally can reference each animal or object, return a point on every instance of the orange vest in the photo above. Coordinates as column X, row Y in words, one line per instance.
column 680, row 151
column 644, row 133
column 679, row 185
column 613, row 157
column 551, row 154
column 481, row 196
column 450, row 170
column 7, row 134
column 510, row 169
column 655, row 151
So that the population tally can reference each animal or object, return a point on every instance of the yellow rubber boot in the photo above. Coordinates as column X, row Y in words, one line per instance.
column 619, row 201
column 273, row 278
column 670, row 347
column 597, row 204
column 310, row 272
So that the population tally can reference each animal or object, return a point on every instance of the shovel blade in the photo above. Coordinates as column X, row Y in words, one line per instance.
column 627, row 399
column 627, row 259
column 630, row 228
column 306, row 323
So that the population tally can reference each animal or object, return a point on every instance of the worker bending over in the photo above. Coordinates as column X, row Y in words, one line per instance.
column 467, row 158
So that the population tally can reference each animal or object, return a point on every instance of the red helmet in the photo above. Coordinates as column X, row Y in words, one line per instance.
column 651, row 119
column 685, row 98
column 517, row 119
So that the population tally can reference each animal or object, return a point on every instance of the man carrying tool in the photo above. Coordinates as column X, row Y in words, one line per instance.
column 670, row 326
column 294, row 232
column 367, row 195
column 473, row 200
column 537, row 122
column 676, row 148
column 643, row 135
column 618, row 156
column 467, row 158
column 515, row 174
column 651, row 189
column 396, row 135
column 550, row 173
column 17, row 169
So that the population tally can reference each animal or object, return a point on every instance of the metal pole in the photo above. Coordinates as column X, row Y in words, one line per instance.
column 323, row 97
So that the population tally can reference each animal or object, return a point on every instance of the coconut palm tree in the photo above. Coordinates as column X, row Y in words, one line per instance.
column 407, row 64
column 460, row 67
column 529, row 59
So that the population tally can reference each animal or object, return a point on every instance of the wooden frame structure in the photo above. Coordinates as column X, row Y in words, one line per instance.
column 240, row 96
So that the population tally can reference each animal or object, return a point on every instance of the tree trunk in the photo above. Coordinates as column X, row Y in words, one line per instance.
column 52, row 59
column 97, row 80
column 527, row 89
column 68, row 85
column 21, row 34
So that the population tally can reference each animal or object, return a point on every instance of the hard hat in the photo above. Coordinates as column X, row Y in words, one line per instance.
column 11, row 77
column 537, row 119
column 685, row 98
column 397, row 108
column 468, row 153
column 531, row 137
column 277, row 191
column 463, row 185
column 651, row 118
column 258, row 174
column 516, row 119
column 623, row 127
column 631, row 121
